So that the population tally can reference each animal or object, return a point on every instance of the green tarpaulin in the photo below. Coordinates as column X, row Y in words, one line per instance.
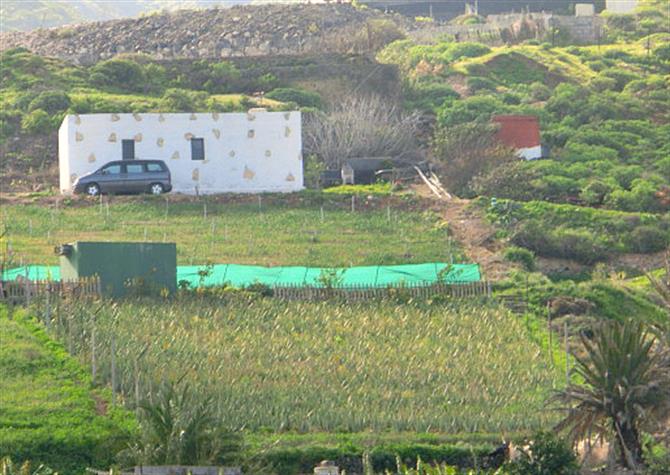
column 242, row 275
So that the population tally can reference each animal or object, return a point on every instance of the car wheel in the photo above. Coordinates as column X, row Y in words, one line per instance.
column 93, row 189
column 156, row 189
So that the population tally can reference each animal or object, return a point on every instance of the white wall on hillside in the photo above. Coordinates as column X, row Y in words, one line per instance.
column 244, row 152
column 530, row 153
column 585, row 9
column 620, row 6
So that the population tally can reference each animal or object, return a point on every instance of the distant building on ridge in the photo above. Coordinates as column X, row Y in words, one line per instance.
column 620, row 6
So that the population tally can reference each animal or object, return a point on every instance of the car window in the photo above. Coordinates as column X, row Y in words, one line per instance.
column 154, row 167
column 134, row 168
column 112, row 169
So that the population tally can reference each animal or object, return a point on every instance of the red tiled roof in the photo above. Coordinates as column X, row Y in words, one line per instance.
column 518, row 131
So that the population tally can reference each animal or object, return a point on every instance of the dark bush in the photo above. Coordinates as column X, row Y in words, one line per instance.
column 620, row 76
column 472, row 109
column 382, row 458
column 522, row 256
column 595, row 192
column 546, row 455
column 10, row 122
column 647, row 239
column 182, row 100
column 467, row 50
column 476, row 84
column 662, row 52
column 51, row 102
column 576, row 244
column 120, row 74
column 429, row 96
column 539, row 92
column 36, row 122
column 222, row 77
column 300, row 97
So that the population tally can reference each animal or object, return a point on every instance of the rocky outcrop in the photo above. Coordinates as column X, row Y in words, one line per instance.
column 213, row 33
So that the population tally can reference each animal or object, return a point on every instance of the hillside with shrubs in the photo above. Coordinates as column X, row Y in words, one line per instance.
column 570, row 334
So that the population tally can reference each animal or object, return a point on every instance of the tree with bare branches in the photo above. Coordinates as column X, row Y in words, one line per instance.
column 361, row 126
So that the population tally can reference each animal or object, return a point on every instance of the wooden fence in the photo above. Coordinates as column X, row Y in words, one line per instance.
column 360, row 293
column 24, row 290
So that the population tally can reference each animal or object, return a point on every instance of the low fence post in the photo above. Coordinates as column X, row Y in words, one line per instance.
column 94, row 363
column 113, row 358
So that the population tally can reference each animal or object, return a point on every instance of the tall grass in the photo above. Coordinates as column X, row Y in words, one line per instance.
column 263, row 231
column 326, row 366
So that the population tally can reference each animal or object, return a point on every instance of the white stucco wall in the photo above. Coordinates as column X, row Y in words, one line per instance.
column 64, row 153
column 620, row 6
column 244, row 152
column 530, row 153
column 585, row 9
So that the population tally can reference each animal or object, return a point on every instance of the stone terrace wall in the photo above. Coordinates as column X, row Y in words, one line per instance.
column 509, row 27
column 219, row 32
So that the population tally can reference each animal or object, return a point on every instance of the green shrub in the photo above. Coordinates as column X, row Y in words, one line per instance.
column 38, row 121
column 567, row 243
column 601, row 83
column 472, row 109
column 621, row 77
column 382, row 458
column 182, row 100
column 300, row 97
column 10, row 122
column 428, row 96
column 648, row 239
column 122, row 74
column 595, row 192
column 662, row 52
column 266, row 82
column 51, row 415
column 546, row 455
column 522, row 256
column 539, row 92
column 477, row 84
column 643, row 196
column 51, row 102
column 467, row 50
column 222, row 77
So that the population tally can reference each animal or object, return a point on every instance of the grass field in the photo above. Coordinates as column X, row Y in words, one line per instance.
column 48, row 412
column 298, row 229
column 312, row 367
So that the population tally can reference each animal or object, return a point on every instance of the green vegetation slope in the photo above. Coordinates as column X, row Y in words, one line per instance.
column 49, row 412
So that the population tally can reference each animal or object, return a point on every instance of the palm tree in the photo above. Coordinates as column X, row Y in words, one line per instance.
column 661, row 284
column 180, row 427
column 623, row 379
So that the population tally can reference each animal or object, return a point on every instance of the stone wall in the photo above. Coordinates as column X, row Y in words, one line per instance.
column 512, row 27
column 214, row 33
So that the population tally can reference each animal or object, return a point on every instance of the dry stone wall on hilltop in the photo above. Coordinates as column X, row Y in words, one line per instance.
column 213, row 33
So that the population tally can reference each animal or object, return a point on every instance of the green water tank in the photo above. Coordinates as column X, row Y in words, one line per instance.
column 146, row 266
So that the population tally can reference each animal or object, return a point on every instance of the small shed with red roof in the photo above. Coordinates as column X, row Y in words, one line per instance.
column 520, row 132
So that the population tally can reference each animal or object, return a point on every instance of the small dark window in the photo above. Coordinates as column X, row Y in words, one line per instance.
column 197, row 149
column 128, row 149
column 112, row 169
column 154, row 167
column 135, row 168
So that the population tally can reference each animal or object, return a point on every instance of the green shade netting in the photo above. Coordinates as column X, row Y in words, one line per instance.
column 241, row 275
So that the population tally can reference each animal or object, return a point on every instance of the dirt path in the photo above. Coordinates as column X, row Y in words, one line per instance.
column 477, row 237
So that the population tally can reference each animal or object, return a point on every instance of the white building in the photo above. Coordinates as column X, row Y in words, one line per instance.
column 249, row 152
column 620, row 6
